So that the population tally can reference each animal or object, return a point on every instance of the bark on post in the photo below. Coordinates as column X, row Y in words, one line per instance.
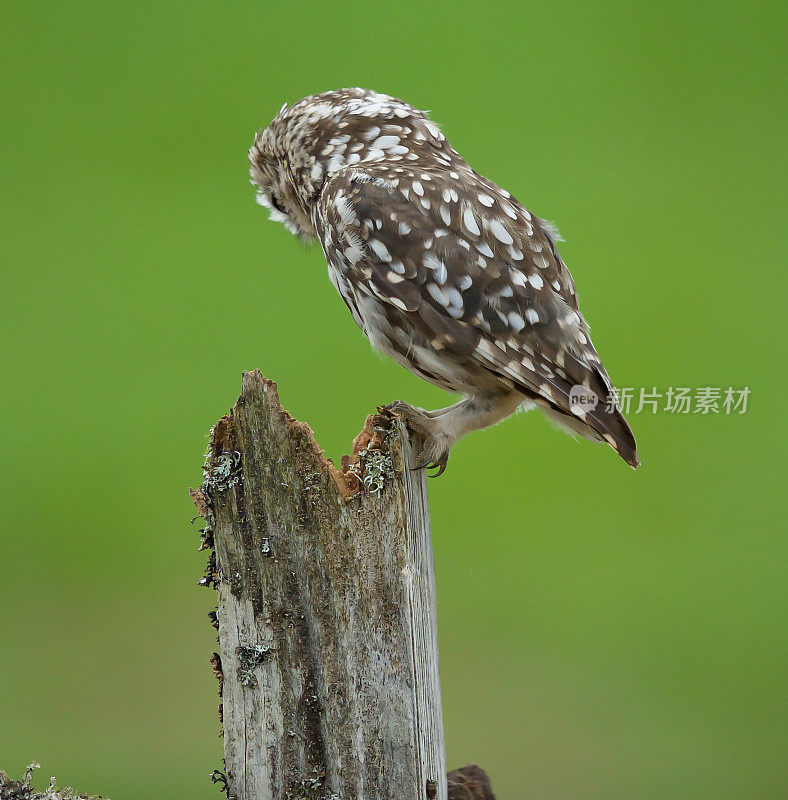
column 326, row 610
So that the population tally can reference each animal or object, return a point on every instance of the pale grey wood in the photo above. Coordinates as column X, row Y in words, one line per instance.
column 327, row 620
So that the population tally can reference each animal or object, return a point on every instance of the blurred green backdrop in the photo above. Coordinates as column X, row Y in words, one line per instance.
column 604, row 633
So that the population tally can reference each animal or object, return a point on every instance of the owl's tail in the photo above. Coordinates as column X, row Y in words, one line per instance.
column 600, row 425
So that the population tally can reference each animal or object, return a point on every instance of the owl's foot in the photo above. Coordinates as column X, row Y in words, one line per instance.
column 434, row 453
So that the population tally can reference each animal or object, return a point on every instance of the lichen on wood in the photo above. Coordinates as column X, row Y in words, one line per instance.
column 23, row 789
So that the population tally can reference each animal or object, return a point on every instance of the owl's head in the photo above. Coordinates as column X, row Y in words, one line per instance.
column 306, row 143
column 281, row 170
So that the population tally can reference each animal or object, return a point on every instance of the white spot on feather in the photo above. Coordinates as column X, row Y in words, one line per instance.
column 500, row 233
column 518, row 278
column 353, row 254
column 469, row 221
column 433, row 129
column 385, row 142
column 380, row 250
column 438, row 268
column 438, row 294
column 516, row 321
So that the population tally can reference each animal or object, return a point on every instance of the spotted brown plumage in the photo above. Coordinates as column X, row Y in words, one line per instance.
column 441, row 268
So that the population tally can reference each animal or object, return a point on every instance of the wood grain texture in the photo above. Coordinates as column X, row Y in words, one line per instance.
column 326, row 611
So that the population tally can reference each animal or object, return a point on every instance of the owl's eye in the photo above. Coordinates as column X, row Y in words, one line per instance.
column 276, row 204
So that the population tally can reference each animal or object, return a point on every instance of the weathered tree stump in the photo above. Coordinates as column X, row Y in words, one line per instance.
column 326, row 610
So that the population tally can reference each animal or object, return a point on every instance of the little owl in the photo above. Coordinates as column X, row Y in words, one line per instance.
column 441, row 268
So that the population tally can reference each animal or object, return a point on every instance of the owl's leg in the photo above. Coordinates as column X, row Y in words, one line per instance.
column 442, row 428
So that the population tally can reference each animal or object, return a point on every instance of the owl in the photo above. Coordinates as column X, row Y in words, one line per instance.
column 442, row 269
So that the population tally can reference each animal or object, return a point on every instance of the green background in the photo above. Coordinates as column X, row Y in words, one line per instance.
column 604, row 633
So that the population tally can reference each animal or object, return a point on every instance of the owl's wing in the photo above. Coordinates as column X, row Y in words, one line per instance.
column 465, row 265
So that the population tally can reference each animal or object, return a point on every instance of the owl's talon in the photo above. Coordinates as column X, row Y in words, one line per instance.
column 441, row 466
column 400, row 407
column 434, row 452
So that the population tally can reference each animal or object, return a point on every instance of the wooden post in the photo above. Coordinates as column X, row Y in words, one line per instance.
column 326, row 615
column 326, row 610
